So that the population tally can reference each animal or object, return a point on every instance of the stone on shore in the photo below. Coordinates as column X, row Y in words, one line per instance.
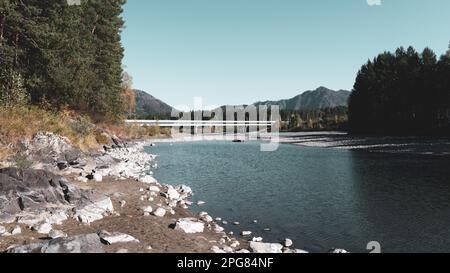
column 288, row 243
column 54, row 234
column 97, row 208
column 89, row 243
column 257, row 239
column 246, row 233
column 16, row 230
column 295, row 251
column 154, row 189
column 147, row 179
column 147, row 210
column 265, row 248
column 43, row 228
column 98, row 177
column 190, row 225
column 159, row 212
column 172, row 194
column 116, row 237
column 217, row 250
column 338, row 251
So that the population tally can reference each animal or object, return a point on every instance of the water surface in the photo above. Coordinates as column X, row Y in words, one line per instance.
column 320, row 198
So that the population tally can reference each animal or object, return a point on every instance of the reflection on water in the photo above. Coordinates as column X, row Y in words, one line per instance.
column 320, row 198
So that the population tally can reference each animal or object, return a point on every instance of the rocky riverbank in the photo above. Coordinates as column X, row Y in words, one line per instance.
column 67, row 201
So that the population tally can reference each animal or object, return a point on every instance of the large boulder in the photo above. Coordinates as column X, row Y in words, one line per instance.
column 29, row 189
column 50, row 148
column 89, row 243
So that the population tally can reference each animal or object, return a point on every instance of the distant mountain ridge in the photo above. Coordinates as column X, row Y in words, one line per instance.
column 320, row 98
column 149, row 107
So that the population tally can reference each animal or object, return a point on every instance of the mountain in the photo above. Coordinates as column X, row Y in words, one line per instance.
column 149, row 107
column 320, row 98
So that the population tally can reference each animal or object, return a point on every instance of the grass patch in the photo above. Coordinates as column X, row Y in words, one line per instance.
column 23, row 122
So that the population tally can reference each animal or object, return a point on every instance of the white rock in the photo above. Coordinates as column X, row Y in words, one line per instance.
column 236, row 223
column 141, row 190
column 218, row 219
column 172, row 193
column 16, row 231
column 190, row 225
column 235, row 244
column 257, row 239
column 57, row 218
column 228, row 249
column 123, row 203
column 2, row 230
column 243, row 251
column 148, row 209
column 218, row 229
column 94, row 211
column 43, row 228
column 98, row 177
column 117, row 237
column 159, row 212
column 268, row 248
column 295, row 251
column 201, row 203
column 205, row 217
column 217, row 250
column 54, row 234
column 147, row 179
column 82, row 179
column 339, row 251
column 288, row 243
column 154, row 189
column 246, row 233
column 185, row 191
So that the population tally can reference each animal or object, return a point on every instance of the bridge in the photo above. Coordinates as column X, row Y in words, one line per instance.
column 215, row 125
column 200, row 123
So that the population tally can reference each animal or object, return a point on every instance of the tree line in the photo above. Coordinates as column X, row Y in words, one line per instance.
column 331, row 118
column 60, row 55
column 405, row 92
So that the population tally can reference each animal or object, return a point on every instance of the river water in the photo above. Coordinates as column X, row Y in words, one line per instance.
column 320, row 198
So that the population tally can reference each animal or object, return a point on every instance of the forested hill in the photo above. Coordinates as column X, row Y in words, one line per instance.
column 61, row 55
column 149, row 107
column 320, row 98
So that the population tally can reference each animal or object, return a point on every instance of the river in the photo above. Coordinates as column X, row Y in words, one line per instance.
column 320, row 198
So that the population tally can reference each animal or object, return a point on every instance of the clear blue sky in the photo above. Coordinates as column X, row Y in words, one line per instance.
column 242, row 51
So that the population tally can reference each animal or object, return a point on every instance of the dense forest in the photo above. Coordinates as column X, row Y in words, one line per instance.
column 57, row 55
column 405, row 92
